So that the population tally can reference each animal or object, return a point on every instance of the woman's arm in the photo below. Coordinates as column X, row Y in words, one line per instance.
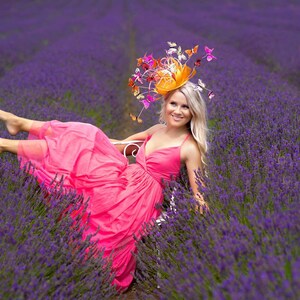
column 140, row 136
column 144, row 134
column 192, row 158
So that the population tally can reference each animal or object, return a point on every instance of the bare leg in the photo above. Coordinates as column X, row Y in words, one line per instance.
column 7, row 145
column 36, row 148
column 15, row 124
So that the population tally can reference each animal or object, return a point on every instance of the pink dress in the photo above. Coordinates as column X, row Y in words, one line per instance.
column 122, row 196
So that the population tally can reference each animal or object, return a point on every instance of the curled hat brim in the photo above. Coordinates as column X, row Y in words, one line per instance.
column 170, row 80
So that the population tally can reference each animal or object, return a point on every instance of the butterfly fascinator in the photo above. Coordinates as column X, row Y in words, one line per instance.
column 154, row 78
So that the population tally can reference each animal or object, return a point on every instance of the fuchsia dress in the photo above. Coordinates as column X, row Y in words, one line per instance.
column 122, row 196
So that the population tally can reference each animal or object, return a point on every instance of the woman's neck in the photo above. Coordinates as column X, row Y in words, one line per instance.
column 175, row 131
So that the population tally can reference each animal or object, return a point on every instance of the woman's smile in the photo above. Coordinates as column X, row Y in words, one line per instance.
column 177, row 118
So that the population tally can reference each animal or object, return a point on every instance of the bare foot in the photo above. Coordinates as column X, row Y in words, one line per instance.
column 12, row 122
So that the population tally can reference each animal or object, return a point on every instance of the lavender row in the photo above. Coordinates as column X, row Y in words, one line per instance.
column 77, row 72
column 260, row 30
column 76, row 76
column 247, row 247
column 25, row 29
column 43, row 253
column 217, row 257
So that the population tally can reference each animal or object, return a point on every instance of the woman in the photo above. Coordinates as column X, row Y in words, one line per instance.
column 121, row 197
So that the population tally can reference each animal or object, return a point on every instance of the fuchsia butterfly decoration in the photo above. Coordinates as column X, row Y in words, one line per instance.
column 137, row 76
column 149, row 99
column 201, row 86
column 209, row 56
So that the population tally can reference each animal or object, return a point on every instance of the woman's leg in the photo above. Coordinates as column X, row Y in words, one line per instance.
column 15, row 124
column 7, row 145
column 36, row 148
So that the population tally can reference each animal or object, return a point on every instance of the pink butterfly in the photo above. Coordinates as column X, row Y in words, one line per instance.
column 149, row 99
column 149, row 60
column 208, row 55
column 137, row 76
column 211, row 95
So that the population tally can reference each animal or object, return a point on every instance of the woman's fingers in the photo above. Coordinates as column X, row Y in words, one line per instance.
column 202, row 207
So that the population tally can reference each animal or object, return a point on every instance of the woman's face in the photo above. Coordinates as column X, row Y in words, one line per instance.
column 177, row 111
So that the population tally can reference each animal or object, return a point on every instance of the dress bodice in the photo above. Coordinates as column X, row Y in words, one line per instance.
column 162, row 163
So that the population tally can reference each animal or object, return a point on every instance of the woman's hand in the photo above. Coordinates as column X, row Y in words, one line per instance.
column 192, row 158
column 201, row 205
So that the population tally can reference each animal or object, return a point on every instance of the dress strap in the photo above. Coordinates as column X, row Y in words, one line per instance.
column 187, row 136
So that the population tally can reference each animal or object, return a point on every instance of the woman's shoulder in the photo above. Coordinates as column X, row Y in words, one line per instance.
column 191, row 143
column 154, row 128
column 190, row 147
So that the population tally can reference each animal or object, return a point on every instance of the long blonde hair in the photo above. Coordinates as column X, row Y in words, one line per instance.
column 198, row 124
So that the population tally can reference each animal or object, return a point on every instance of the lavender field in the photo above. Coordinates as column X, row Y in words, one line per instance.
column 71, row 61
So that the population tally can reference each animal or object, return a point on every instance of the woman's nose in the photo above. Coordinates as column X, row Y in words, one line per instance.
column 178, row 110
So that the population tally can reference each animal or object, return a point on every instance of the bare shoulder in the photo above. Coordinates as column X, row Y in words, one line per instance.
column 154, row 128
column 190, row 150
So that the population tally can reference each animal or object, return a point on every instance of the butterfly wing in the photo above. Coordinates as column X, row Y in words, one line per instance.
column 211, row 95
column 171, row 51
column 135, row 118
column 146, row 103
column 172, row 44
column 189, row 52
column 195, row 49
column 131, row 82
column 132, row 116
column 192, row 51
column 181, row 56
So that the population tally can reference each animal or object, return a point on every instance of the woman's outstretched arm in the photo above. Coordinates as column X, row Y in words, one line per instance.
column 192, row 158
